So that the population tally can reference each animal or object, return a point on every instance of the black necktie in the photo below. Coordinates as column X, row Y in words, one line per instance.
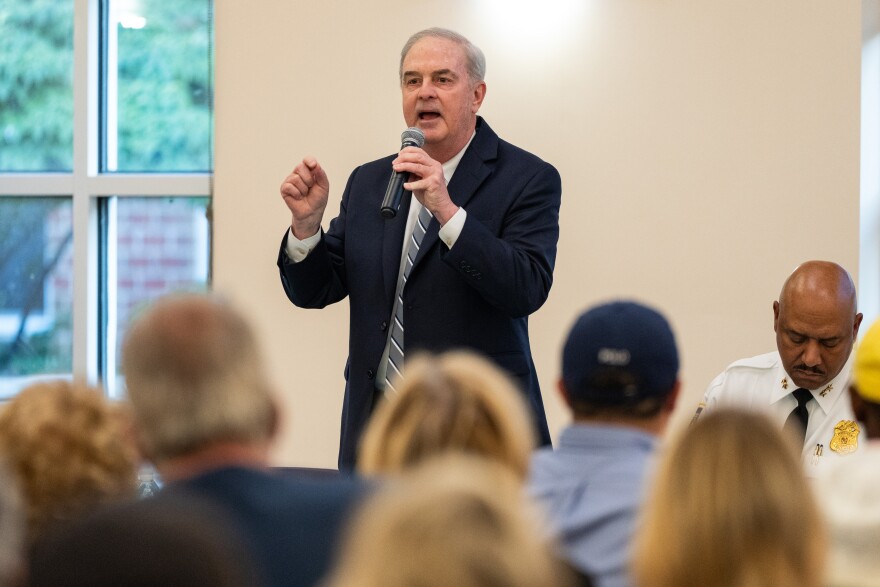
column 797, row 420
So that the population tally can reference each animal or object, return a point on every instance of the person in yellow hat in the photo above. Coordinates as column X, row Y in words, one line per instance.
column 864, row 389
column 849, row 493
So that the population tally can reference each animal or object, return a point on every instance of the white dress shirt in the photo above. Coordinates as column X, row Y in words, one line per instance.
column 761, row 383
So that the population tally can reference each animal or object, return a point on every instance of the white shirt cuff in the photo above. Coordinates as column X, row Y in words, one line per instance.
column 297, row 250
column 450, row 231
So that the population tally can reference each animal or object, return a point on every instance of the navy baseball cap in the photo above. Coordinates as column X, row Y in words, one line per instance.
column 619, row 353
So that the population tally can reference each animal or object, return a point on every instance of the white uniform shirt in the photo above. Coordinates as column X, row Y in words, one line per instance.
column 761, row 383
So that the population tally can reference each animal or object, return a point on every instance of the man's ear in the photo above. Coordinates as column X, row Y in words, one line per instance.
column 274, row 420
column 137, row 440
column 856, row 323
column 563, row 391
column 776, row 316
column 131, row 432
column 672, row 398
column 479, row 96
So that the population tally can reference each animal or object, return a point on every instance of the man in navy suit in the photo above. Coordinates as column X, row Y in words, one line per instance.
column 206, row 415
column 484, row 264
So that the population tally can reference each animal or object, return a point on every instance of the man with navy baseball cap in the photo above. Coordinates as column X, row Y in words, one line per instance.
column 620, row 380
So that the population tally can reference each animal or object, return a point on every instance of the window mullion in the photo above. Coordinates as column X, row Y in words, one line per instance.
column 85, row 168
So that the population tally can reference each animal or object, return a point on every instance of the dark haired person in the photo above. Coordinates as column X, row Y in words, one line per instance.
column 620, row 380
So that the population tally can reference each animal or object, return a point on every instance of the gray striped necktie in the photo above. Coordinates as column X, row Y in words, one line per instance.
column 395, row 350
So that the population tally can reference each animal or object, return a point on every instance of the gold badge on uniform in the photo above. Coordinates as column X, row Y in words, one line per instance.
column 846, row 437
column 784, row 383
column 825, row 391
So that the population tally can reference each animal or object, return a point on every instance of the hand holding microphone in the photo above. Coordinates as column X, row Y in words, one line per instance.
column 411, row 137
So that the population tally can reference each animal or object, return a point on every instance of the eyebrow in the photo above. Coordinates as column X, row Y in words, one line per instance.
column 447, row 72
column 795, row 333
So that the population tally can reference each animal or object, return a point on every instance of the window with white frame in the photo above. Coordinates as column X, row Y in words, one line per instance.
column 106, row 160
column 869, row 204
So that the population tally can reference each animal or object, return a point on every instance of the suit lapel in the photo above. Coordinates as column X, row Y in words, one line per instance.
column 473, row 169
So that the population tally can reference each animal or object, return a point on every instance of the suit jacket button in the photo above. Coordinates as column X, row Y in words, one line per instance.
column 384, row 326
column 370, row 373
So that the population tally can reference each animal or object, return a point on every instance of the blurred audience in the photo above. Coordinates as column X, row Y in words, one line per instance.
column 180, row 542
column 70, row 450
column 452, row 402
column 12, row 531
column 206, row 416
column 452, row 520
column 851, row 489
column 730, row 507
column 620, row 381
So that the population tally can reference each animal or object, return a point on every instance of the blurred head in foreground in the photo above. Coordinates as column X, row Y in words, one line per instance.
column 70, row 450
column 451, row 402
column 11, row 531
column 730, row 506
column 181, row 541
column 196, row 382
column 620, row 365
column 454, row 520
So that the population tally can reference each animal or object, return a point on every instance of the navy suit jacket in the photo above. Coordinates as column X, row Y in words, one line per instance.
column 293, row 527
column 477, row 295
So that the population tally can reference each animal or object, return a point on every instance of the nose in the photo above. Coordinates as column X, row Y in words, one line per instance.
column 427, row 90
column 811, row 355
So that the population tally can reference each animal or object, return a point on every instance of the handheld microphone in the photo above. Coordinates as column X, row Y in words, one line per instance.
column 411, row 137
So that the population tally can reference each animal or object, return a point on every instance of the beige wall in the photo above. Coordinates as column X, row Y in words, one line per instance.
column 706, row 147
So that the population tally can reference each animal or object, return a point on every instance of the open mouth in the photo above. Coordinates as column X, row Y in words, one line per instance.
column 429, row 116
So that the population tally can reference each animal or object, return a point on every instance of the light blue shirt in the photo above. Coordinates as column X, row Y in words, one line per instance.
column 591, row 488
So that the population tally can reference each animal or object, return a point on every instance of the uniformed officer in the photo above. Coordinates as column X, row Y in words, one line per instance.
column 803, row 385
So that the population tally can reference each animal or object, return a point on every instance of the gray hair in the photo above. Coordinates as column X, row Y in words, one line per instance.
column 194, row 376
column 476, row 61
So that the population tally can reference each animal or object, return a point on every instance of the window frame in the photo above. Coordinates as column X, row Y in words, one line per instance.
column 87, row 186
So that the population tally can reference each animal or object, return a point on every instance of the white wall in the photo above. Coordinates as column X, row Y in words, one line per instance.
column 869, row 251
column 706, row 148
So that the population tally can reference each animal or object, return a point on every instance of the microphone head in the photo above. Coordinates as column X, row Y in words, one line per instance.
column 412, row 137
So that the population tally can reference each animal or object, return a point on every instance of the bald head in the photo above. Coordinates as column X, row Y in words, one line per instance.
column 824, row 281
column 816, row 322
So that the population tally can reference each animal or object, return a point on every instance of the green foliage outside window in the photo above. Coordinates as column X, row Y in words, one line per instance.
column 164, row 87
column 165, row 91
column 36, row 85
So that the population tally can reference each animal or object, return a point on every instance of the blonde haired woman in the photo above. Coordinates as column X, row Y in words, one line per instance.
column 455, row 401
column 452, row 520
column 730, row 507
column 70, row 450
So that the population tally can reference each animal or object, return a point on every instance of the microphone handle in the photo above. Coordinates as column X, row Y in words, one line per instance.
column 394, row 194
